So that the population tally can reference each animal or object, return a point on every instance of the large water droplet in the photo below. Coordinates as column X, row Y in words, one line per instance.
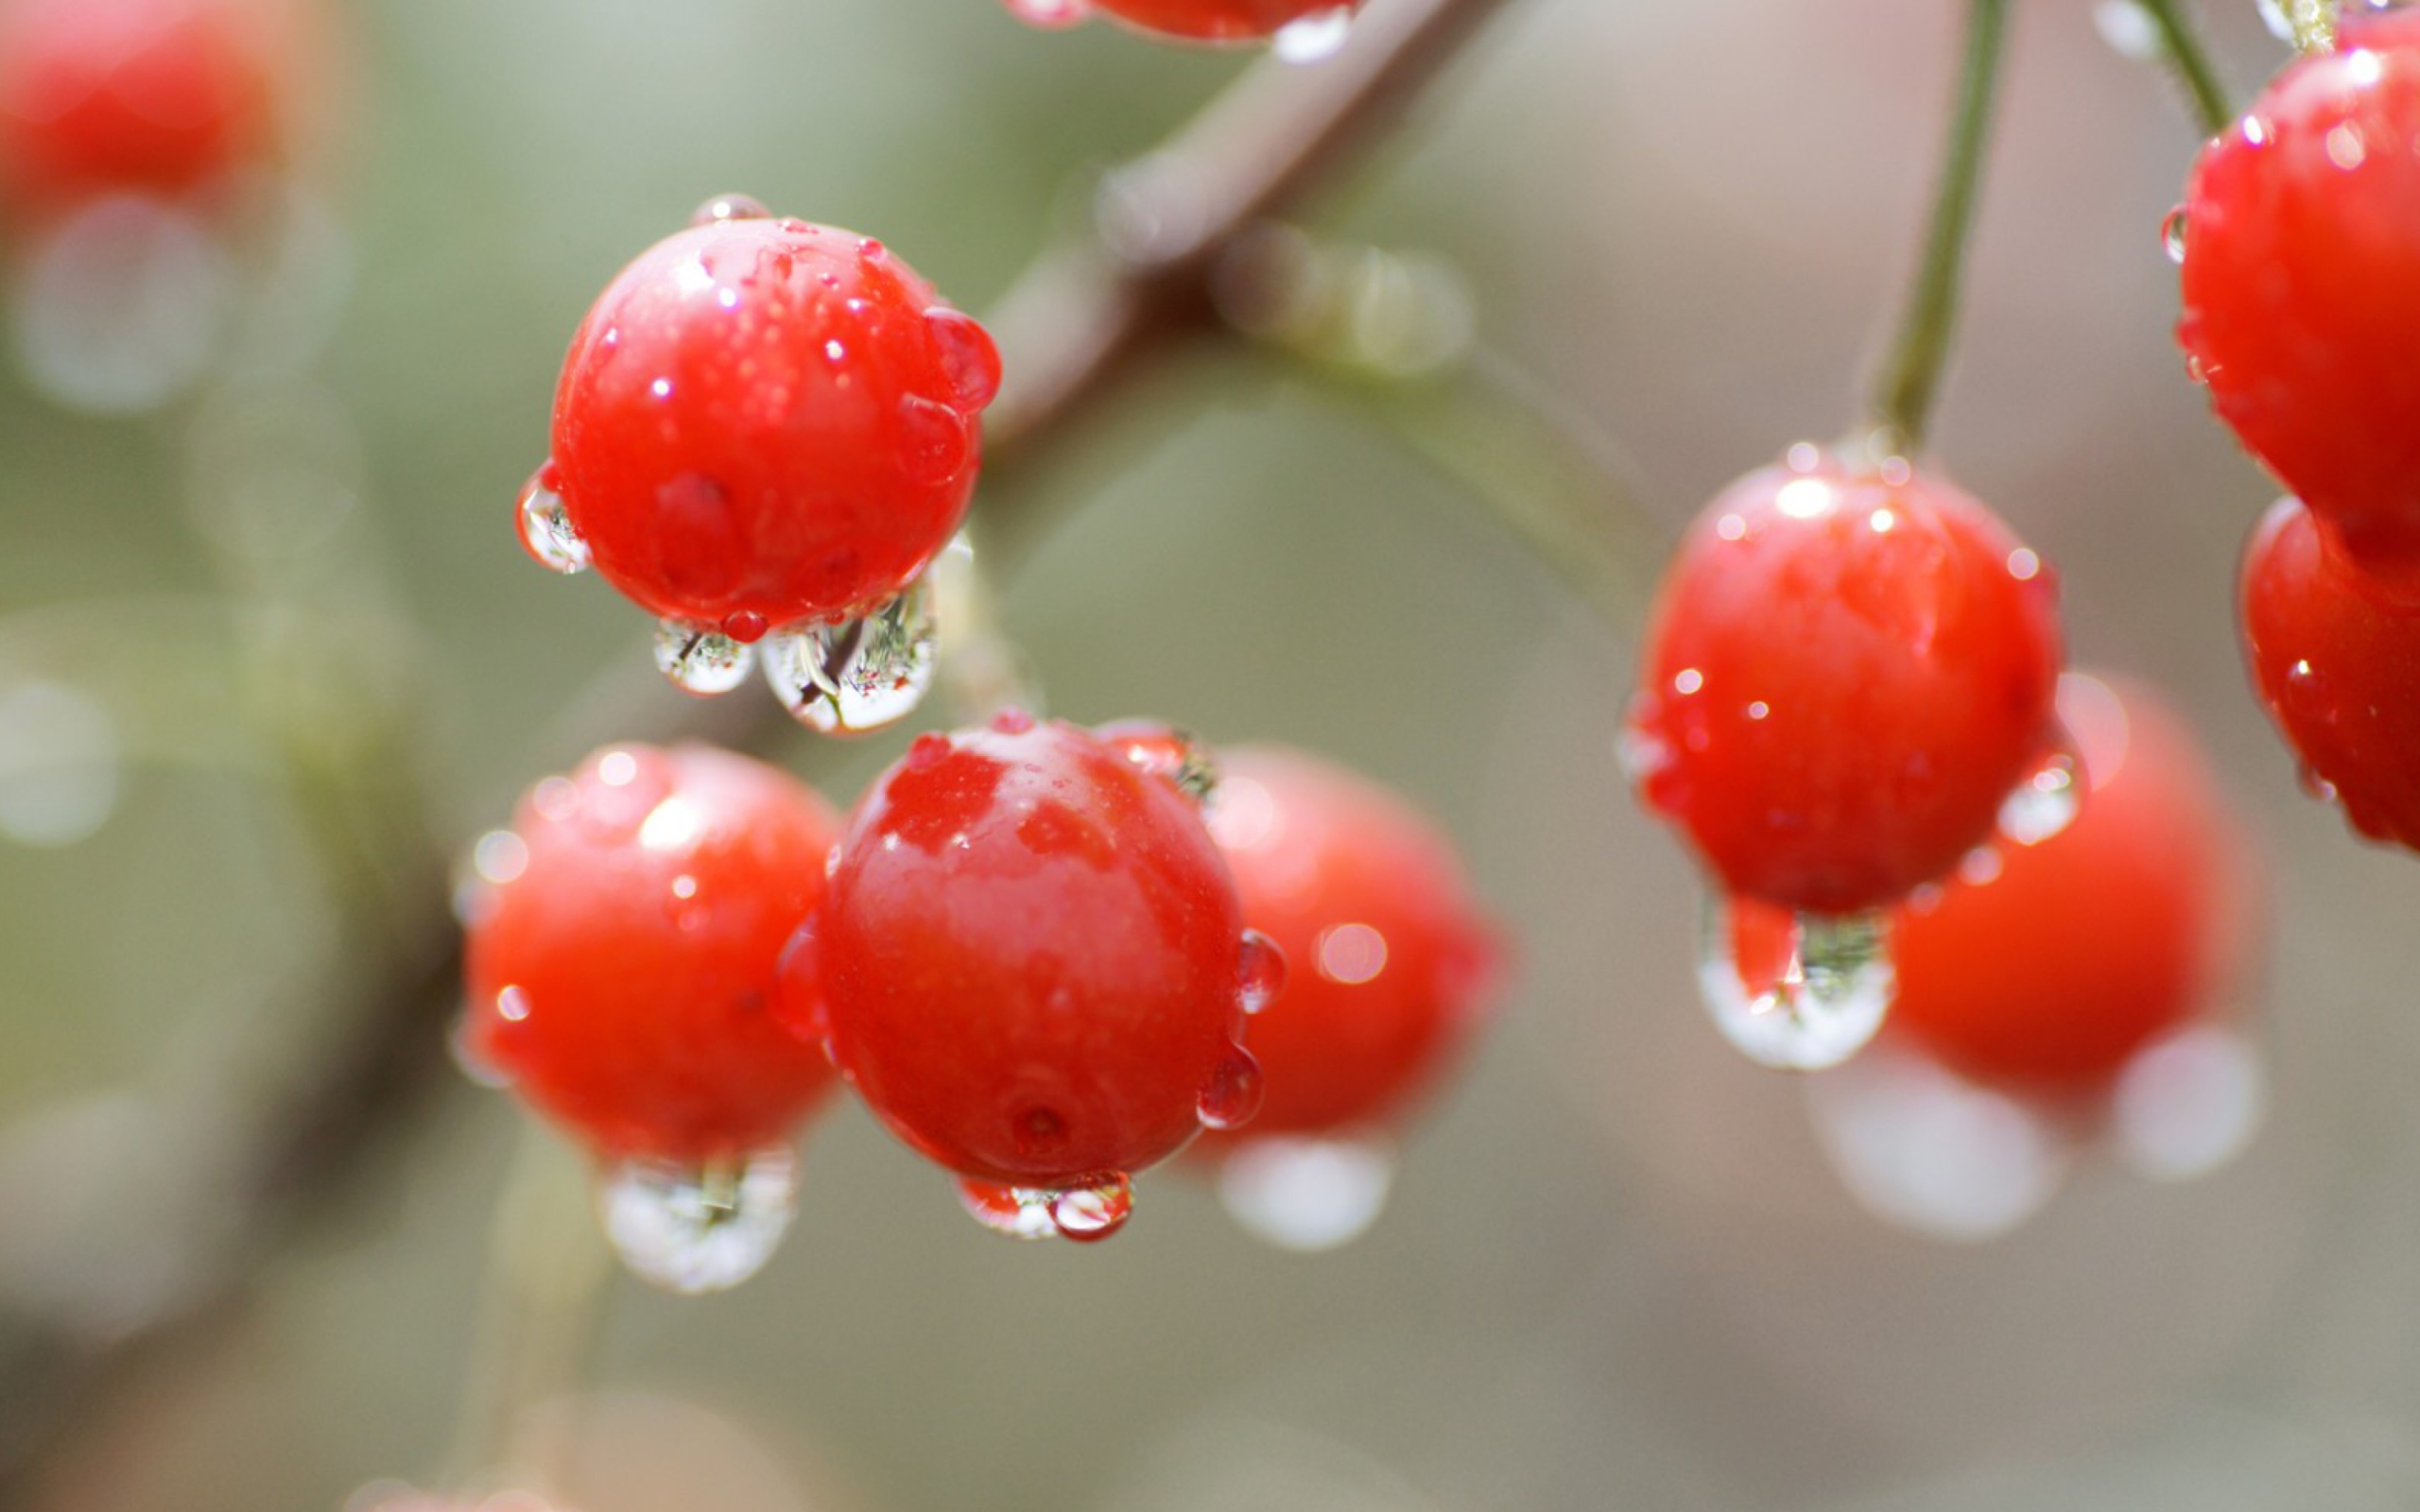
column 935, row 441
column 1050, row 14
column 1020, row 1213
column 730, row 207
column 2044, row 803
column 698, row 658
column 1821, row 1005
column 1234, row 1092
column 1088, row 1214
column 2173, row 231
column 695, row 1228
column 970, row 361
column 2188, row 1104
column 859, row 676
column 1260, row 972
column 1306, row 1193
column 1315, row 38
column 1923, row 1149
column 546, row 531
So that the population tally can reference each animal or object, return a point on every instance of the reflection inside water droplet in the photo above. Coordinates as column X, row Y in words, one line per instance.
column 1315, row 38
column 1816, row 1001
column 700, row 659
column 2045, row 803
column 859, row 676
column 696, row 1228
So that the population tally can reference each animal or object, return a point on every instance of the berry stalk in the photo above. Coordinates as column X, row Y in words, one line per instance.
column 1903, row 396
column 2313, row 22
column 2180, row 48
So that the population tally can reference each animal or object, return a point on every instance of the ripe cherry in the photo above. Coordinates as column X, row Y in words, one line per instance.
column 2337, row 661
column 2300, row 285
column 623, row 939
column 1847, row 671
column 1219, row 21
column 763, row 426
column 1029, row 963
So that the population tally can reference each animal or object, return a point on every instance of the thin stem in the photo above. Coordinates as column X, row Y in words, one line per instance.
column 1904, row 397
column 2180, row 48
column 2313, row 22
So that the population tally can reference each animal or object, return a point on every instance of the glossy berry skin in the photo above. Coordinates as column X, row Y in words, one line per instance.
column 1223, row 21
column 2300, row 285
column 1391, row 962
column 2051, row 966
column 160, row 97
column 763, row 422
column 1847, row 671
column 623, row 955
column 1028, row 960
column 2338, row 664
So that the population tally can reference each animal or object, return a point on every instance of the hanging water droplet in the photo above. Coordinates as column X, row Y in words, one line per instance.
column 1315, row 38
column 969, row 360
column 745, row 626
column 546, row 531
column 2045, row 803
column 698, row 658
column 1020, row 1213
column 1094, row 1213
column 1923, row 1149
column 1051, row 15
column 859, row 676
column 1260, row 972
column 730, row 207
column 2172, row 235
column 1824, row 1004
column 695, row 1228
column 1307, row 1194
column 1234, row 1092
column 2189, row 1103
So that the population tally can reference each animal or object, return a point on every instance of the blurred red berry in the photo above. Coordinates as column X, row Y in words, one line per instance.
column 2302, row 283
column 1220, row 20
column 1847, row 671
column 624, row 941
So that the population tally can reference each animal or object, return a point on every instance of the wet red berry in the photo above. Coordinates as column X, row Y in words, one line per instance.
column 624, row 937
column 2048, row 966
column 2302, row 283
column 2338, row 664
column 1847, row 670
column 164, row 96
column 1391, row 961
column 1217, row 20
column 1027, row 962
column 763, row 423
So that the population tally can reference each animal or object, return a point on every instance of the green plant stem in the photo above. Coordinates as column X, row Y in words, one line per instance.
column 2180, row 48
column 1903, row 399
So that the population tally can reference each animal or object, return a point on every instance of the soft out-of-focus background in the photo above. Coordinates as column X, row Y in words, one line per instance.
column 1617, row 1273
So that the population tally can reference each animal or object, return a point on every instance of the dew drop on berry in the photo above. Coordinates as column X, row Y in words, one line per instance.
column 1165, row 752
column 1922, row 1148
column 1810, row 991
column 745, row 626
column 698, row 658
column 1233, row 1095
column 730, row 207
column 2044, row 803
column 1051, row 15
column 862, row 673
column 1307, row 1194
column 1020, row 1213
column 1260, row 972
column 1314, row 38
column 546, row 531
column 969, row 359
column 2189, row 1103
column 934, row 445
column 693, row 1228
column 1094, row 1213
column 2172, row 235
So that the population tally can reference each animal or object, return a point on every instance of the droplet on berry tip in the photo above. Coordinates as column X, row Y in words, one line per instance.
column 1307, row 1194
column 1315, row 38
column 1260, row 972
column 1088, row 1214
column 969, row 359
column 1234, row 1092
column 1019, row 1212
column 730, row 207
column 1811, row 990
column 698, row 1228
column 2173, row 232
column 700, row 659
column 546, row 531
column 858, row 674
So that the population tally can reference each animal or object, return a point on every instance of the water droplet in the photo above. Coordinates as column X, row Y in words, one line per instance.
column 1089, row 1213
column 2172, row 233
column 693, row 1228
column 859, row 675
column 1260, row 972
column 1167, row 752
column 935, row 445
column 2189, row 1103
column 1824, row 1003
column 2045, row 803
column 745, row 626
column 1923, row 1149
column 1234, row 1092
column 730, row 207
column 1315, row 38
column 1307, row 1194
column 970, row 361
column 1020, row 1213
column 699, row 659
column 546, row 531
column 1051, row 15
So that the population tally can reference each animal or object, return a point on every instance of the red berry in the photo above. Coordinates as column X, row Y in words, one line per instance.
column 2338, row 663
column 1392, row 960
column 2048, row 966
column 2301, row 283
column 1847, row 672
column 623, row 949
column 763, row 423
column 1028, row 964
column 1220, row 20
column 164, row 97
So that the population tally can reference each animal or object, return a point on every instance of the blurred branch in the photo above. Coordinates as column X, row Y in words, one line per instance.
column 2180, row 48
column 1086, row 314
